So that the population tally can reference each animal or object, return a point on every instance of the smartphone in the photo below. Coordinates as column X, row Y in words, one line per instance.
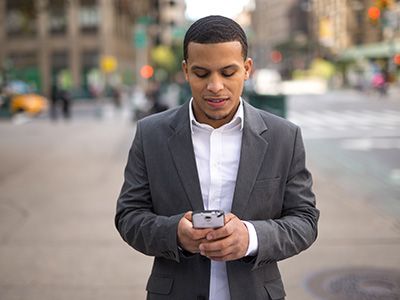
column 208, row 219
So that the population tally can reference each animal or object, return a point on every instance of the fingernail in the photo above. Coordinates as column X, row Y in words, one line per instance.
column 209, row 237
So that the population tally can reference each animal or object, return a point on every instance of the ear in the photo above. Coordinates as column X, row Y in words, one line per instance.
column 248, row 66
column 185, row 69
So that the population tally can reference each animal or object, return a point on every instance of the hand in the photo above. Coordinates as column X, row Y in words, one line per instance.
column 226, row 243
column 188, row 237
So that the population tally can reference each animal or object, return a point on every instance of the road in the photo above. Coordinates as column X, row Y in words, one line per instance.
column 59, row 182
column 355, row 137
column 353, row 149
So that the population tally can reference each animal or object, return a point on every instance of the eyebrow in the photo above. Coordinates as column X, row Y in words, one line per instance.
column 195, row 68
column 233, row 66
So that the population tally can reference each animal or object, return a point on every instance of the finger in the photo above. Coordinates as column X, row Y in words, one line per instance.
column 218, row 234
column 219, row 254
column 234, row 244
column 227, row 257
column 231, row 222
column 199, row 234
column 188, row 216
column 229, row 217
column 225, row 254
column 194, row 234
column 215, row 246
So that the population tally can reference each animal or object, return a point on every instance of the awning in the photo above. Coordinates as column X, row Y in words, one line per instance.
column 376, row 50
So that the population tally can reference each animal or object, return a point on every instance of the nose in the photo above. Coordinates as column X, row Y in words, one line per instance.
column 215, row 84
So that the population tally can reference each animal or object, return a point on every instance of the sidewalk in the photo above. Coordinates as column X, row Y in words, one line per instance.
column 354, row 239
column 57, row 236
column 58, row 241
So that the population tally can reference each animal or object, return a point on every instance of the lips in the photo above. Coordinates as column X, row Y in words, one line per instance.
column 216, row 101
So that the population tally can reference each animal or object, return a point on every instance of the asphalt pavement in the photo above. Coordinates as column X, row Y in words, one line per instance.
column 58, row 187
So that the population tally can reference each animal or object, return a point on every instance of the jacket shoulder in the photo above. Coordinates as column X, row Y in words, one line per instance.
column 159, row 120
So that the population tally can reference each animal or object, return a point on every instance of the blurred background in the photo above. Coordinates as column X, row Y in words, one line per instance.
column 76, row 75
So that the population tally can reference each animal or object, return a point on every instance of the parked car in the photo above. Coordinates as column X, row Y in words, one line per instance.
column 23, row 99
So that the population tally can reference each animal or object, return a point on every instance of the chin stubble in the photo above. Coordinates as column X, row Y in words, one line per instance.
column 216, row 118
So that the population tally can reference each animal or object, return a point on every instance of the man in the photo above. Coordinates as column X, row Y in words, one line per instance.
column 217, row 152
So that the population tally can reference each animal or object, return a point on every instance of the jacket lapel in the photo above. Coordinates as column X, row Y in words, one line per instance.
column 181, row 147
column 254, row 147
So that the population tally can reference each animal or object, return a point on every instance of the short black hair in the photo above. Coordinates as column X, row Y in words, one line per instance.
column 215, row 29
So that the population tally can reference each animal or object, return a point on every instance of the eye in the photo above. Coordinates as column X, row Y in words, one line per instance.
column 201, row 74
column 228, row 73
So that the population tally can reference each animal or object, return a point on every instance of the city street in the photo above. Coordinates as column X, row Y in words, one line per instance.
column 353, row 149
column 355, row 136
column 59, row 182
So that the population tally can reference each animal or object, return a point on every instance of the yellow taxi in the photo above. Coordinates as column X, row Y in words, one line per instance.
column 24, row 100
column 31, row 104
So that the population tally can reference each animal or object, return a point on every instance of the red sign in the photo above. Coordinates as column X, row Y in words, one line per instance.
column 396, row 59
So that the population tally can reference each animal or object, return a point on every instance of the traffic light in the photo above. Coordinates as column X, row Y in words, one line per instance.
column 374, row 13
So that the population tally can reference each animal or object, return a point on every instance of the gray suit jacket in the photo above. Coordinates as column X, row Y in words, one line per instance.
column 273, row 192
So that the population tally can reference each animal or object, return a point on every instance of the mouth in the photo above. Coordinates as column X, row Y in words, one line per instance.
column 216, row 101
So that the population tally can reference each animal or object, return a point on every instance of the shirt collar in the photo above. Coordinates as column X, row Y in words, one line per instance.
column 237, row 118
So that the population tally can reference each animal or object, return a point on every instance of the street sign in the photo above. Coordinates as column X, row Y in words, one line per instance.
column 146, row 71
column 140, row 37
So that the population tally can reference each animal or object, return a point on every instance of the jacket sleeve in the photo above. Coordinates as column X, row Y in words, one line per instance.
column 138, row 225
column 296, row 229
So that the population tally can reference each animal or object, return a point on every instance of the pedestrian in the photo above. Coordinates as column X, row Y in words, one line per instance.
column 66, row 103
column 60, row 96
column 217, row 152
column 54, row 101
column 116, row 96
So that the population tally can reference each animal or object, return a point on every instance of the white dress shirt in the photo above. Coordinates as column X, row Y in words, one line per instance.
column 217, row 153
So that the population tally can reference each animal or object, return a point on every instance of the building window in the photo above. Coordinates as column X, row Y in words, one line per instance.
column 91, row 75
column 21, row 18
column 24, row 67
column 23, row 59
column 89, row 17
column 59, row 65
column 90, row 58
column 58, row 17
column 59, row 60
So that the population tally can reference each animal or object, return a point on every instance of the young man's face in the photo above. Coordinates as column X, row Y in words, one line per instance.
column 216, row 75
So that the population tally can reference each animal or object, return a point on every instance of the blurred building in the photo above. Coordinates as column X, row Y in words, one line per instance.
column 288, row 34
column 349, row 30
column 165, row 30
column 171, row 21
column 244, row 18
column 41, row 38
column 340, row 24
column 281, row 34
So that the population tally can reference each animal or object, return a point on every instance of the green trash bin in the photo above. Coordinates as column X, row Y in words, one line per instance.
column 275, row 104
column 5, row 107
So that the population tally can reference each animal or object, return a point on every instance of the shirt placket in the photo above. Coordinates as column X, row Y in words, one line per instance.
column 214, row 198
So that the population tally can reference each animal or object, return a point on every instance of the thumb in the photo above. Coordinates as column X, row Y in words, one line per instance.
column 188, row 216
column 229, row 217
